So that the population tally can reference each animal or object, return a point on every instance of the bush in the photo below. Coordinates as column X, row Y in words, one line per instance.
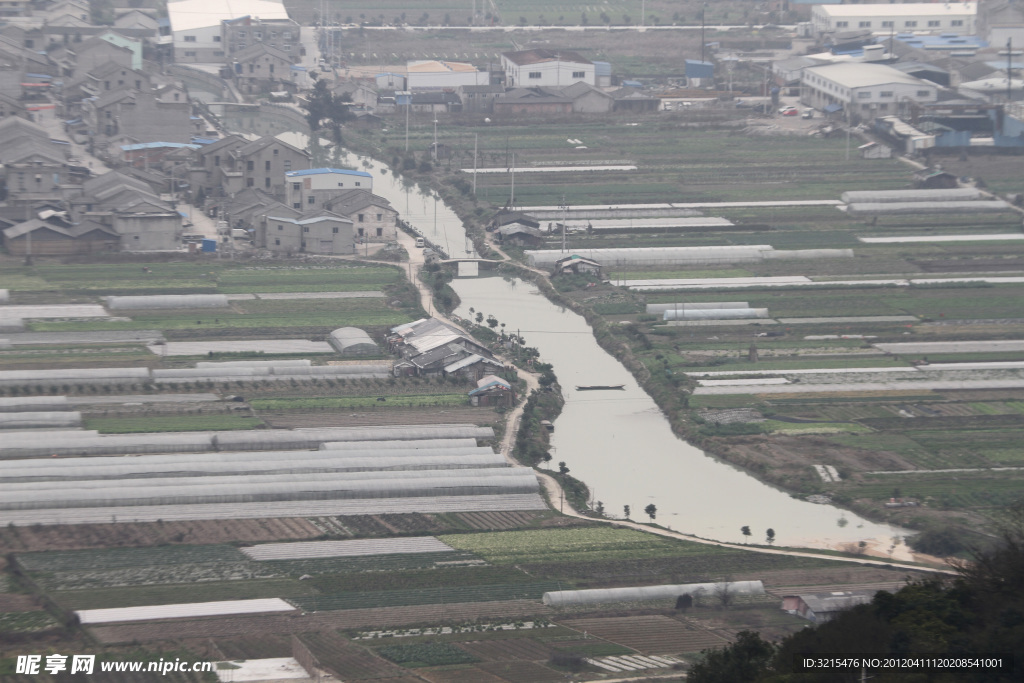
column 940, row 542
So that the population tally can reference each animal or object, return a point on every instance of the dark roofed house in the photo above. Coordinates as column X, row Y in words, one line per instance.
column 492, row 390
column 262, row 67
column 577, row 265
column 435, row 102
column 532, row 101
column 59, row 238
column 822, row 607
column 479, row 98
column 520, row 235
column 633, row 100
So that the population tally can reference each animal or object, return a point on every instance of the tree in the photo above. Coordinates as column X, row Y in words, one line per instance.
column 600, row 508
column 625, row 509
column 770, row 536
column 323, row 104
column 745, row 530
column 651, row 510
column 745, row 660
column 562, row 468
column 684, row 602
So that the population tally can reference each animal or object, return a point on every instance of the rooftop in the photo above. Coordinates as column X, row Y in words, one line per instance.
column 913, row 9
column 537, row 56
column 186, row 15
column 322, row 171
column 435, row 65
column 861, row 75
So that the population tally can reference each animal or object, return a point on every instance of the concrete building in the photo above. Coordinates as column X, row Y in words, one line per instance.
column 373, row 217
column 440, row 74
column 531, row 101
column 1002, row 20
column 233, row 164
column 58, row 238
column 280, row 34
column 137, row 116
column 934, row 17
column 309, row 189
column 260, row 67
column 864, row 89
column 479, row 98
column 322, row 233
column 546, row 69
column 196, row 25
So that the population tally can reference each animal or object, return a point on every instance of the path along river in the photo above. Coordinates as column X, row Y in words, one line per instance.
column 618, row 442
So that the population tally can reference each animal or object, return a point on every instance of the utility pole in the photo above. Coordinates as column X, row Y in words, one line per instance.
column 476, row 140
column 565, row 220
column 703, row 9
column 435, row 138
column 512, row 194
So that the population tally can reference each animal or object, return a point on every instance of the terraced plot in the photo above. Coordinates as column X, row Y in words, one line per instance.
column 649, row 635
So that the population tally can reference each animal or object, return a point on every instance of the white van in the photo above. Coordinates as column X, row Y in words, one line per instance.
column 420, row 242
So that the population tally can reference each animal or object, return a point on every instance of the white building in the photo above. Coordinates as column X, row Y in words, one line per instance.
column 862, row 88
column 954, row 17
column 322, row 179
column 435, row 74
column 196, row 25
column 546, row 69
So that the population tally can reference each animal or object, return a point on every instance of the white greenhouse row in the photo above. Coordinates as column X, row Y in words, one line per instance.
column 63, row 419
column 166, row 301
column 355, row 548
column 188, row 610
column 596, row 596
column 645, row 256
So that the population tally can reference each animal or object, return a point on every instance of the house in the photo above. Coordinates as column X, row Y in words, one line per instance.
column 435, row 102
column 260, row 67
column 40, row 237
column 143, row 227
column 263, row 164
column 373, row 217
column 136, row 18
column 586, row 99
column 823, row 607
column 493, row 391
column 865, row 89
column 576, row 265
column 96, row 51
column 433, row 74
column 196, row 26
column 874, row 150
column 246, row 31
column 108, row 76
column 955, row 17
column 479, row 98
column 532, row 102
column 1000, row 21
column 431, row 347
column 632, row 100
column 138, row 116
column 321, row 233
column 542, row 68
column 361, row 96
column 519, row 235
column 309, row 189
column 11, row 106
column 935, row 179
column 249, row 210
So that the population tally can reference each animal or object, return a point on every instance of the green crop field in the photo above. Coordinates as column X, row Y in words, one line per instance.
column 393, row 401
column 133, row 596
column 418, row 655
column 170, row 423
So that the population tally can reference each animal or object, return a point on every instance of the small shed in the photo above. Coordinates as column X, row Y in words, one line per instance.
column 520, row 235
column 874, row 150
column 473, row 367
column 493, row 391
column 822, row 607
column 934, row 179
column 576, row 265
column 352, row 341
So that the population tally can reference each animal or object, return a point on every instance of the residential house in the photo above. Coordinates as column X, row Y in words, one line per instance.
column 309, row 189
column 197, row 26
column 233, row 164
column 249, row 209
column 586, row 99
column 428, row 346
column 823, row 607
column 519, row 235
column 473, row 367
column 321, row 233
column 142, row 228
column 260, row 68
column 11, row 106
column 136, row 18
column 53, row 237
column 108, row 76
column 361, row 96
column 531, row 102
column 634, row 101
column 954, row 17
column 373, row 217
column 492, row 391
column 33, row 168
column 96, row 52
column 576, row 265
column 137, row 116
column 436, row 102
column 479, row 98
column 546, row 68
column 211, row 163
column 282, row 34
column 1000, row 21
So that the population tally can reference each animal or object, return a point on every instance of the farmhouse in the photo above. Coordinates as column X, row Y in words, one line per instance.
column 546, row 68
column 322, row 233
column 822, row 607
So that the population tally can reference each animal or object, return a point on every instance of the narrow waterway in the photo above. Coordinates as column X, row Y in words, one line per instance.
column 619, row 443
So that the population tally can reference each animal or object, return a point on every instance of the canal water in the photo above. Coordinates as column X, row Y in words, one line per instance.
column 618, row 442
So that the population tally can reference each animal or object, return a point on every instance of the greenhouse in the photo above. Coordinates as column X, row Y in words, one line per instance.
column 297, row 363
column 145, row 470
column 654, row 255
column 360, row 547
column 63, row 419
column 352, row 341
column 5, row 296
column 920, row 208
column 715, row 314
column 19, row 404
column 958, row 194
column 658, row 309
column 411, row 444
column 258, row 488
column 28, row 312
column 77, row 375
column 49, row 443
column 268, row 439
column 189, row 610
column 597, row 596
column 165, row 301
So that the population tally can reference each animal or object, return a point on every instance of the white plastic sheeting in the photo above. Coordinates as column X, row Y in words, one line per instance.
column 264, row 439
column 5, row 296
column 354, row 548
column 43, row 311
column 163, row 301
column 409, row 444
column 202, row 348
column 183, row 611
column 957, row 194
column 64, row 419
column 296, row 363
column 647, row 256
column 658, row 309
column 71, row 375
column 715, row 314
column 596, row 596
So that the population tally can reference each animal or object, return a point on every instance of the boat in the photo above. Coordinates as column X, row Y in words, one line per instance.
column 601, row 387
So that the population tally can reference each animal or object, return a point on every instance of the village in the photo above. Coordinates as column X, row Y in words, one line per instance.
column 322, row 328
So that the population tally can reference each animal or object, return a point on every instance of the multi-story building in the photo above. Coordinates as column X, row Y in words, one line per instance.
column 864, row 89
column 884, row 18
column 233, row 164
column 281, row 34
column 196, row 25
column 310, row 189
column 546, row 68
column 320, row 233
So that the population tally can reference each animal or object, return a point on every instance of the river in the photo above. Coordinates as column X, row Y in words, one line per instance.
column 619, row 443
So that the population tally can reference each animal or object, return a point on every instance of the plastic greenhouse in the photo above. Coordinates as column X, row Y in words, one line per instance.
column 596, row 596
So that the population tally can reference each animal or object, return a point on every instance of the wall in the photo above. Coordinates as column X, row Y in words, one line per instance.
column 149, row 232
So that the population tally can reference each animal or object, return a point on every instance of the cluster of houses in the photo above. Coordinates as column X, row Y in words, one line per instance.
column 430, row 347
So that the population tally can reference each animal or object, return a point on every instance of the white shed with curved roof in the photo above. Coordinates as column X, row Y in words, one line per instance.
column 352, row 341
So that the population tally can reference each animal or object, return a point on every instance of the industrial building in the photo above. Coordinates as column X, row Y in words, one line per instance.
column 864, row 89
column 440, row 74
column 546, row 68
column 935, row 17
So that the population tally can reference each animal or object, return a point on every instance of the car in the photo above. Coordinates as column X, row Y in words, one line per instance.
column 808, row 114
column 789, row 111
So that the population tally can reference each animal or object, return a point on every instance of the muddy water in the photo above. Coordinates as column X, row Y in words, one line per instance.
column 623, row 448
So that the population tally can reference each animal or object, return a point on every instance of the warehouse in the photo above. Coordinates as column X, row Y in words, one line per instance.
column 884, row 18
column 864, row 89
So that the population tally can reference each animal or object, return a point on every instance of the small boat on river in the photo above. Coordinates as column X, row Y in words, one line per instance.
column 601, row 387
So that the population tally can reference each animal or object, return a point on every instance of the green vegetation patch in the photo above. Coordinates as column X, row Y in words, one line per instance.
column 100, row 559
column 400, row 401
column 133, row 596
column 26, row 622
column 417, row 655
column 569, row 545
